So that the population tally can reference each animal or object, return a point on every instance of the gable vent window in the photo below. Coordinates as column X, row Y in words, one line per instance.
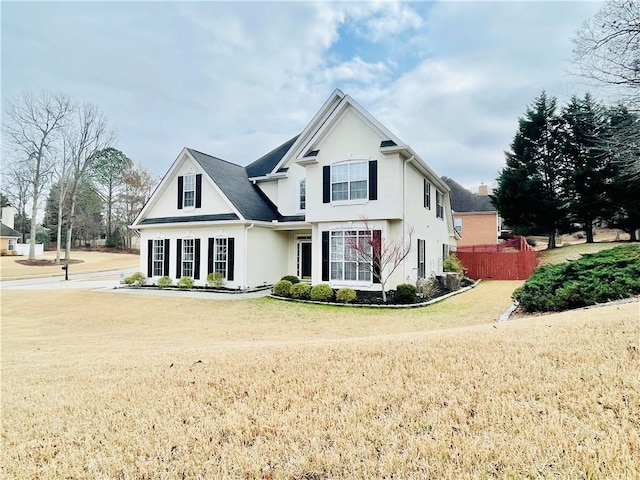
column 439, row 204
column 349, row 181
column 189, row 191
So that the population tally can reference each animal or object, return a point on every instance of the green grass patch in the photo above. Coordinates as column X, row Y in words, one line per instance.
column 594, row 278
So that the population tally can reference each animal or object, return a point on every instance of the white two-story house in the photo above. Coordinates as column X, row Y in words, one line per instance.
column 300, row 209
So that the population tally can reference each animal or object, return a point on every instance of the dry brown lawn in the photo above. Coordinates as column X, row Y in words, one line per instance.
column 266, row 389
column 10, row 269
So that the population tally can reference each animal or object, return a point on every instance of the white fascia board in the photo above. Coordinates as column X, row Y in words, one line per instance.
column 422, row 165
column 160, row 186
column 316, row 122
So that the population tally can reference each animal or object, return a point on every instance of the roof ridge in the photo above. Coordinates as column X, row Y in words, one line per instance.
column 215, row 158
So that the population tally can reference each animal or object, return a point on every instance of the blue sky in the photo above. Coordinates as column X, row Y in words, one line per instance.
column 236, row 79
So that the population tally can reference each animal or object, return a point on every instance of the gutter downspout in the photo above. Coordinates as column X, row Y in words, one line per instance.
column 404, row 206
column 246, row 252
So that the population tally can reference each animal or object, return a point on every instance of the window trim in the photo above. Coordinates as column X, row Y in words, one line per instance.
column 185, row 191
column 360, row 233
column 302, row 194
column 183, row 262
column 349, row 164
column 439, row 204
column 216, row 262
column 155, row 251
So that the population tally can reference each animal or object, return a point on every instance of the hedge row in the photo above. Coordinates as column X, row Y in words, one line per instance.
column 595, row 278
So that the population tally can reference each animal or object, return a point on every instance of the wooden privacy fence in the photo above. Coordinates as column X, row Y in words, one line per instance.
column 511, row 260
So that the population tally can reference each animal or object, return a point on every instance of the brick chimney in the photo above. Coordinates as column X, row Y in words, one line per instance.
column 483, row 191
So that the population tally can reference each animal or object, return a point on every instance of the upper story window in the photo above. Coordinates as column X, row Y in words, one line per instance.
column 302, row 194
column 457, row 224
column 189, row 191
column 427, row 194
column 439, row 204
column 349, row 181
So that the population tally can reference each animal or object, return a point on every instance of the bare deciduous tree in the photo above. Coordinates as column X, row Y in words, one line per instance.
column 383, row 254
column 607, row 47
column 89, row 135
column 31, row 127
column 139, row 185
column 18, row 189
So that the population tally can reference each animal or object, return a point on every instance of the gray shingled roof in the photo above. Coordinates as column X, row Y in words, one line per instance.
column 192, row 218
column 232, row 179
column 6, row 231
column 268, row 162
column 462, row 200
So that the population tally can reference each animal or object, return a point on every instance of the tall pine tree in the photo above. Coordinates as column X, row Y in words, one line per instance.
column 588, row 167
column 529, row 194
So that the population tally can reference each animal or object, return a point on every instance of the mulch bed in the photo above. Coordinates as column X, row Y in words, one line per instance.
column 46, row 263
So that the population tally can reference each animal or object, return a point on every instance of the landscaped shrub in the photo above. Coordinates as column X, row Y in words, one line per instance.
column 595, row 278
column 185, row 283
column 138, row 279
column 322, row 293
column 346, row 295
column 451, row 263
column 164, row 282
column 300, row 291
column 406, row 293
column 215, row 279
column 282, row 288
column 291, row 278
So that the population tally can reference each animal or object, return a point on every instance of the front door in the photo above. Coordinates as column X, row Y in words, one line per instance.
column 304, row 259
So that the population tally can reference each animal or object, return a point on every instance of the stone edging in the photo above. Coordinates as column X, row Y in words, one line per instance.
column 358, row 305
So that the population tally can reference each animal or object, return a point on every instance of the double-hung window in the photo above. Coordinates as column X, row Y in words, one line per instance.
column 422, row 271
column 189, row 191
column 439, row 204
column 302, row 194
column 351, row 253
column 220, row 256
column 427, row 194
column 158, row 258
column 349, row 181
column 188, row 255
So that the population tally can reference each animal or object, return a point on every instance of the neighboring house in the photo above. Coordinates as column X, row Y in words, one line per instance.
column 475, row 219
column 8, row 236
column 299, row 208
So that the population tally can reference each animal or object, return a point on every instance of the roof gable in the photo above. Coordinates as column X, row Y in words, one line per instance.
column 462, row 200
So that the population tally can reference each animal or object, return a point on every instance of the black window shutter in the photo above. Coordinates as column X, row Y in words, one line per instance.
column 325, row 256
column 199, row 190
column 150, row 259
column 377, row 245
column 178, row 258
column 326, row 184
column 180, row 190
column 166, row 256
column 373, row 180
column 230, row 257
column 196, row 259
column 210, row 257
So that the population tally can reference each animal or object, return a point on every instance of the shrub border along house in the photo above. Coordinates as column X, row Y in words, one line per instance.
column 374, row 305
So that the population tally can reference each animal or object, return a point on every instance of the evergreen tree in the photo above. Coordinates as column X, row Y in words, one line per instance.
column 587, row 166
column 529, row 193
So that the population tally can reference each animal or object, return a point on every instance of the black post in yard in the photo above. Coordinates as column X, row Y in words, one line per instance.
column 65, row 267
